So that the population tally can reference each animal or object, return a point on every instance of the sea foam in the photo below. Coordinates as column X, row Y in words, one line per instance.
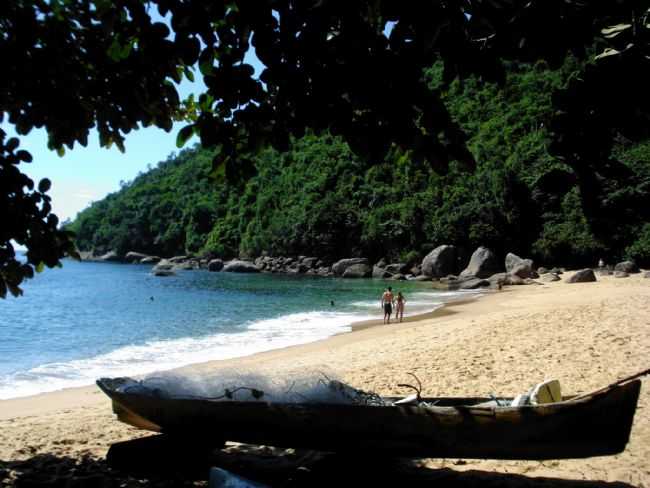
column 259, row 336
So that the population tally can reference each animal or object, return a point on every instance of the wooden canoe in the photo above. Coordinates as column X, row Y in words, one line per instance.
column 596, row 424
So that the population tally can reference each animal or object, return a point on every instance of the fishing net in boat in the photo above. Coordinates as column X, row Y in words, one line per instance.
column 315, row 388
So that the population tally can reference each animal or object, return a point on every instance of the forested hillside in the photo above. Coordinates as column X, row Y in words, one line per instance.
column 319, row 199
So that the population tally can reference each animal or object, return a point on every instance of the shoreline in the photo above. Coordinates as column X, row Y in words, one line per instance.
column 586, row 335
column 58, row 398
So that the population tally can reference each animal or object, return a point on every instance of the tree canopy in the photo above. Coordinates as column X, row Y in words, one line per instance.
column 352, row 69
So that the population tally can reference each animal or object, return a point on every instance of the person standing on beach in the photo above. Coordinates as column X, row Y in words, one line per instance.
column 387, row 304
column 399, row 306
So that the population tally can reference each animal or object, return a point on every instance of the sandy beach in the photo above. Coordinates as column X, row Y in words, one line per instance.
column 587, row 335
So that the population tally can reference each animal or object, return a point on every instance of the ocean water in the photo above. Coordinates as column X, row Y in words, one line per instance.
column 88, row 320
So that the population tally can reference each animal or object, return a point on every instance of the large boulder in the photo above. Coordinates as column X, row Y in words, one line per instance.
column 186, row 265
column 627, row 267
column 380, row 273
column 178, row 259
column 215, row 265
column 339, row 267
column 359, row 270
column 163, row 265
column 582, row 276
column 517, row 266
column 621, row 274
column 237, row 266
column 482, row 264
column 133, row 256
column 395, row 268
column 439, row 262
column 310, row 262
column 150, row 260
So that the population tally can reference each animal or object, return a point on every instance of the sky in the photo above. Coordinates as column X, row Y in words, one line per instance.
column 87, row 174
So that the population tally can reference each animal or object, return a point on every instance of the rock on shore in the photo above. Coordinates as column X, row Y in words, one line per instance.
column 237, row 266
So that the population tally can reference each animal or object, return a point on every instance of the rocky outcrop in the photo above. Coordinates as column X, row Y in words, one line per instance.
column 133, row 257
column 186, row 265
column 516, row 266
column 439, row 262
column 582, row 276
column 482, row 264
column 215, row 265
column 310, row 262
column 395, row 268
column 178, row 259
column 360, row 270
column 339, row 267
column 621, row 274
column 163, row 265
column 237, row 266
column 150, row 260
column 627, row 267
column 380, row 273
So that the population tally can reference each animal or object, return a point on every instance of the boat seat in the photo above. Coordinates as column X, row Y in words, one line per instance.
column 547, row 392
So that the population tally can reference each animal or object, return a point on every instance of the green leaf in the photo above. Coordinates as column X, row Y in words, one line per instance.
column 12, row 144
column 40, row 267
column 184, row 134
column 188, row 74
column 44, row 185
column 14, row 290
column 24, row 156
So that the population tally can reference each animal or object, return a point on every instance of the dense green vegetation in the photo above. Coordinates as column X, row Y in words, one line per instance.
column 318, row 198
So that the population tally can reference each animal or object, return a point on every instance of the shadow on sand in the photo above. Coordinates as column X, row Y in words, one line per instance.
column 153, row 461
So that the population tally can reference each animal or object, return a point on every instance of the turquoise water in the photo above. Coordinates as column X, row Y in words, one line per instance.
column 88, row 320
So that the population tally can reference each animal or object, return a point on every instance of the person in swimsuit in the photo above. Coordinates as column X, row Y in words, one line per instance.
column 399, row 306
column 387, row 304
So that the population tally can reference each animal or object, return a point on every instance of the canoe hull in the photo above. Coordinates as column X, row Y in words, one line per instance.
column 595, row 425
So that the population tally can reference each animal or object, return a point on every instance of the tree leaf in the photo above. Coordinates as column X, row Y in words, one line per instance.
column 183, row 135
column 24, row 156
column 44, row 185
